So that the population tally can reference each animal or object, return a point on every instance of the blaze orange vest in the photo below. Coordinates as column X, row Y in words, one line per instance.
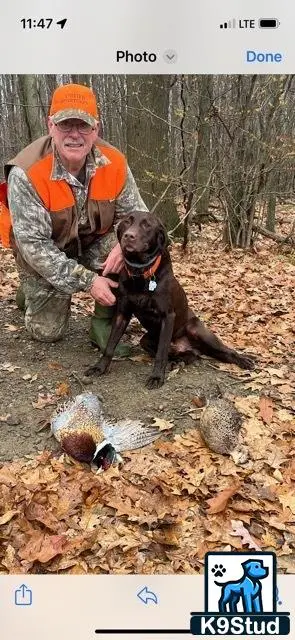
column 5, row 220
column 57, row 196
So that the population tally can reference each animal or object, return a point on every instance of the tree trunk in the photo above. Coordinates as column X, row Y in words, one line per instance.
column 148, row 143
column 31, row 106
column 204, row 163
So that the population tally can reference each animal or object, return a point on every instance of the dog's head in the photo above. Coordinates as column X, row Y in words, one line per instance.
column 141, row 234
column 255, row 569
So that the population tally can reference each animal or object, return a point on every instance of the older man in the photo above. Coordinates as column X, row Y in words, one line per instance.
column 66, row 191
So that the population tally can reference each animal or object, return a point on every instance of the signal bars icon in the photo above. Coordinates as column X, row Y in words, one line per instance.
column 230, row 24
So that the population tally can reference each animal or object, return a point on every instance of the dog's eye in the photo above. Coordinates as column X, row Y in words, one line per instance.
column 145, row 224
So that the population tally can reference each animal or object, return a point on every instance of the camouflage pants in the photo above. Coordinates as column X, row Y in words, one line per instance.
column 47, row 310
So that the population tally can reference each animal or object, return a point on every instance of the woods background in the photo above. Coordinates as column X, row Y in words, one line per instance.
column 215, row 151
column 199, row 146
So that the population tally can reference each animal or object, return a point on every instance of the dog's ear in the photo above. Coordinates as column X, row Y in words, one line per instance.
column 162, row 237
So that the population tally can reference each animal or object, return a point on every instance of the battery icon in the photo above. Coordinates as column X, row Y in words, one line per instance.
column 268, row 23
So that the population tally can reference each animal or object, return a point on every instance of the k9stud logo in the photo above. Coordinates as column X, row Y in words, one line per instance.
column 240, row 596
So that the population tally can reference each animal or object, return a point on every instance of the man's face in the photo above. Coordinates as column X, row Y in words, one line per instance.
column 73, row 139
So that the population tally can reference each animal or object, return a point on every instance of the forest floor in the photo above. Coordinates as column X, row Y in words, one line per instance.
column 174, row 500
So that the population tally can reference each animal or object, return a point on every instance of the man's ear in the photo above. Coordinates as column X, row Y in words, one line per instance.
column 50, row 125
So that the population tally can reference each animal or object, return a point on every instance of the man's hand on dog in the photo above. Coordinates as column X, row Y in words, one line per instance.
column 101, row 290
column 114, row 262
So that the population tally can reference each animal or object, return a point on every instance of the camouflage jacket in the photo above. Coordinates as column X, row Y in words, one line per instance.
column 33, row 231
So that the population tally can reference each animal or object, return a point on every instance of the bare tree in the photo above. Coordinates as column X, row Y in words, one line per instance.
column 148, row 142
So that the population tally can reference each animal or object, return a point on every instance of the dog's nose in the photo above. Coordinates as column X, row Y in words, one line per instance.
column 129, row 234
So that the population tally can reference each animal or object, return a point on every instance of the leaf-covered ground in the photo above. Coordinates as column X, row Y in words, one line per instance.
column 172, row 501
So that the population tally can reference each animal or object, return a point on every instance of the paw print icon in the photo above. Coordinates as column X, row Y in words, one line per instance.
column 218, row 570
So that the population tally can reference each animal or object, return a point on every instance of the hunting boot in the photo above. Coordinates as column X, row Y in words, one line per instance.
column 100, row 329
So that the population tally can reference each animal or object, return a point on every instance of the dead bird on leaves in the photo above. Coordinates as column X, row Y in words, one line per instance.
column 220, row 425
column 84, row 434
column 220, row 422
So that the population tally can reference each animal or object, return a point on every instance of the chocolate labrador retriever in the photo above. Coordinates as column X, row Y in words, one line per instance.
column 149, row 291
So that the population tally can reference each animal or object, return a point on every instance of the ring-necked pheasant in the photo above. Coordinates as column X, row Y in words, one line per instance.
column 84, row 434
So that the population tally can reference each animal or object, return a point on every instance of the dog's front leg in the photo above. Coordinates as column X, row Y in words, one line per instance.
column 119, row 326
column 257, row 603
column 247, row 602
column 157, row 378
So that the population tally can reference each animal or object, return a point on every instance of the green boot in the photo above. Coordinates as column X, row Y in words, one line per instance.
column 20, row 299
column 100, row 330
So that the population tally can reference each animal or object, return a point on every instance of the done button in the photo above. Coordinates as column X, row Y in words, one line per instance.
column 263, row 56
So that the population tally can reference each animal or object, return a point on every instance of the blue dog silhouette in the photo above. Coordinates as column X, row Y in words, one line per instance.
column 248, row 588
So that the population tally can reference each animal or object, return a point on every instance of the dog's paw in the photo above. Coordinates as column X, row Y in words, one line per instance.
column 245, row 361
column 155, row 382
column 218, row 570
column 95, row 370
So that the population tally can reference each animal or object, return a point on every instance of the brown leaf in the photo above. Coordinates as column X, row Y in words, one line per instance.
column 163, row 425
column 238, row 529
column 266, row 409
column 4, row 418
column 7, row 516
column 142, row 357
column 63, row 389
column 7, row 478
column 44, row 400
column 11, row 327
column 288, row 500
column 269, row 540
column 219, row 502
column 285, row 416
column 7, row 366
column 198, row 401
column 41, row 514
column 55, row 365
column 168, row 535
column 42, row 547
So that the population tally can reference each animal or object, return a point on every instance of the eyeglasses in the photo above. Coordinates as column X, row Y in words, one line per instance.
column 65, row 126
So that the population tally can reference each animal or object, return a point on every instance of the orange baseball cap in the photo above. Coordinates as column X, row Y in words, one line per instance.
column 74, row 101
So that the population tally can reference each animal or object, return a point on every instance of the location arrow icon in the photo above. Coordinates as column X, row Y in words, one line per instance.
column 62, row 22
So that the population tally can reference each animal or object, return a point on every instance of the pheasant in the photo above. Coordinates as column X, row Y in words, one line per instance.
column 84, row 434
column 220, row 424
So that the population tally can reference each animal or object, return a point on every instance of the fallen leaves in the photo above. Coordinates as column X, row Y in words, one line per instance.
column 266, row 409
column 7, row 516
column 163, row 425
column 11, row 327
column 160, row 512
column 44, row 399
column 238, row 529
column 219, row 502
column 7, row 366
column 174, row 500
column 63, row 389
column 288, row 500
column 42, row 547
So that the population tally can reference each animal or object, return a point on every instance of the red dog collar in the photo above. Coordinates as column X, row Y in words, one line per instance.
column 149, row 272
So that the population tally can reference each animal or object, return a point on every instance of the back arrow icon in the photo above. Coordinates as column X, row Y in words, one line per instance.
column 62, row 22
column 145, row 595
